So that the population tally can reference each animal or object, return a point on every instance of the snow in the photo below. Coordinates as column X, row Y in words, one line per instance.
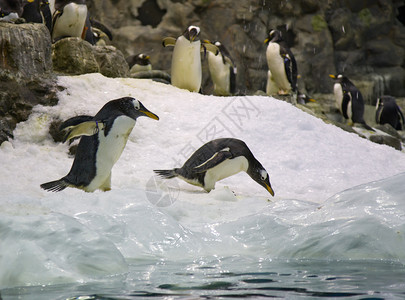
column 336, row 195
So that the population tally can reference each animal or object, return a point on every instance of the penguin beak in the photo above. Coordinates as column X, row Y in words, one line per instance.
column 149, row 114
column 266, row 40
column 269, row 189
column 147, row 57
column 332, row 76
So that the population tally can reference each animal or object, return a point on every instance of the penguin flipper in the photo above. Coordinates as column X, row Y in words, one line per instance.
column 345, row 104
column 87, row 128
column 55, row 186
column 401, row 119
column 169, row 41
column 100, row 26
column 214, row 160
column 74, row 121
column 210, row 47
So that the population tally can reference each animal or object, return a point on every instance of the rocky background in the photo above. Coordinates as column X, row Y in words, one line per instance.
column 364, row 39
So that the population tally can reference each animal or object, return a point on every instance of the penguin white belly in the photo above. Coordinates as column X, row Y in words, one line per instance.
column 276, row 65
column 71, row 21
column 220, row 74
column 223, row 170
column 110, row 149
column 140, row 68
column 338, row 92
column 271, row 86
column 186, row 70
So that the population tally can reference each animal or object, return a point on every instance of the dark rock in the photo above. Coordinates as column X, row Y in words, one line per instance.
column 74, row 56
column 25, row 50
column 111, row 61
column 386, row 140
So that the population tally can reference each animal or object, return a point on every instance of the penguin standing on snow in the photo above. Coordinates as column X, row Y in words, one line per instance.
column 139, row 63
column 388, row 111
column 217, row 160
column 281, row 63
column 69, row 19
column 222, row 70
column 104, row 137
column 186, row 71
column 349, row 100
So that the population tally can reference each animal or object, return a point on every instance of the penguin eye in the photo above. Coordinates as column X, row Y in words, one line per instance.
column 136, row 104
column 263, row 175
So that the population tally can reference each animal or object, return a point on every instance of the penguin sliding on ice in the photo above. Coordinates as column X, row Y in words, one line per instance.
column 281, row 63
column 104, row 137
column 388, row 111
column 222, row 70
column 349, row 100
column 219, row 159
column 186, row 72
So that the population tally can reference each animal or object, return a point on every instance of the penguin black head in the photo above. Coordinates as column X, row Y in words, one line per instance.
column 139, row 59
column 260, row 175
column 192, row 33
column 340, row 78
column 274, row 36
column 134, row 108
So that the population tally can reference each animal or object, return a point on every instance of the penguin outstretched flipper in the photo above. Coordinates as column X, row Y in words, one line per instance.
column 55, row 186
column 210, row 47
column 103, row 28
column 87, row 128
column 80, row 125
column 169, row 41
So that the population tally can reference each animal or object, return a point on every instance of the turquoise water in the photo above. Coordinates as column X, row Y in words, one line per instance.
column 236, row 277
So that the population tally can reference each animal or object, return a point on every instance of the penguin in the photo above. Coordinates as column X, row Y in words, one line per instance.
column 219, row 159
column 388, row 111
column 38, row 11
column 349, row 100
column 304, row 98
column 281, row 63
column 69, row 19
column 10, row 10
column 103, row 138
column 186, row 71
column 222, row 70
column 139, row 63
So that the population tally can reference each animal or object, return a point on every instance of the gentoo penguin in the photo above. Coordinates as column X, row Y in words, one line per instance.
column 139, row 63
column 222, row 70
column 304, row 98
column 10, row 10
column 69, row 19
column 186, row 72
column 349, row 100
column 104, row 137
column 217, row 160
column 38, row 11
column 281, row 63
column 388, row 111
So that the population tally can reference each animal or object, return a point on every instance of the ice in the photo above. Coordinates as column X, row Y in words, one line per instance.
column 337, row 196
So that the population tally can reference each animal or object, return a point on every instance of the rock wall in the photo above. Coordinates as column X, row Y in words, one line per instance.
column 364, row 38
column 26, row 77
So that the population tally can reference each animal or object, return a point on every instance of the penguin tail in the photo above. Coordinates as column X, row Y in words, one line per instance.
column 166, row 174
column 55, row 186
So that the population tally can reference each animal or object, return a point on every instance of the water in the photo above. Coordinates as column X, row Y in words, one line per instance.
column 236, row 277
